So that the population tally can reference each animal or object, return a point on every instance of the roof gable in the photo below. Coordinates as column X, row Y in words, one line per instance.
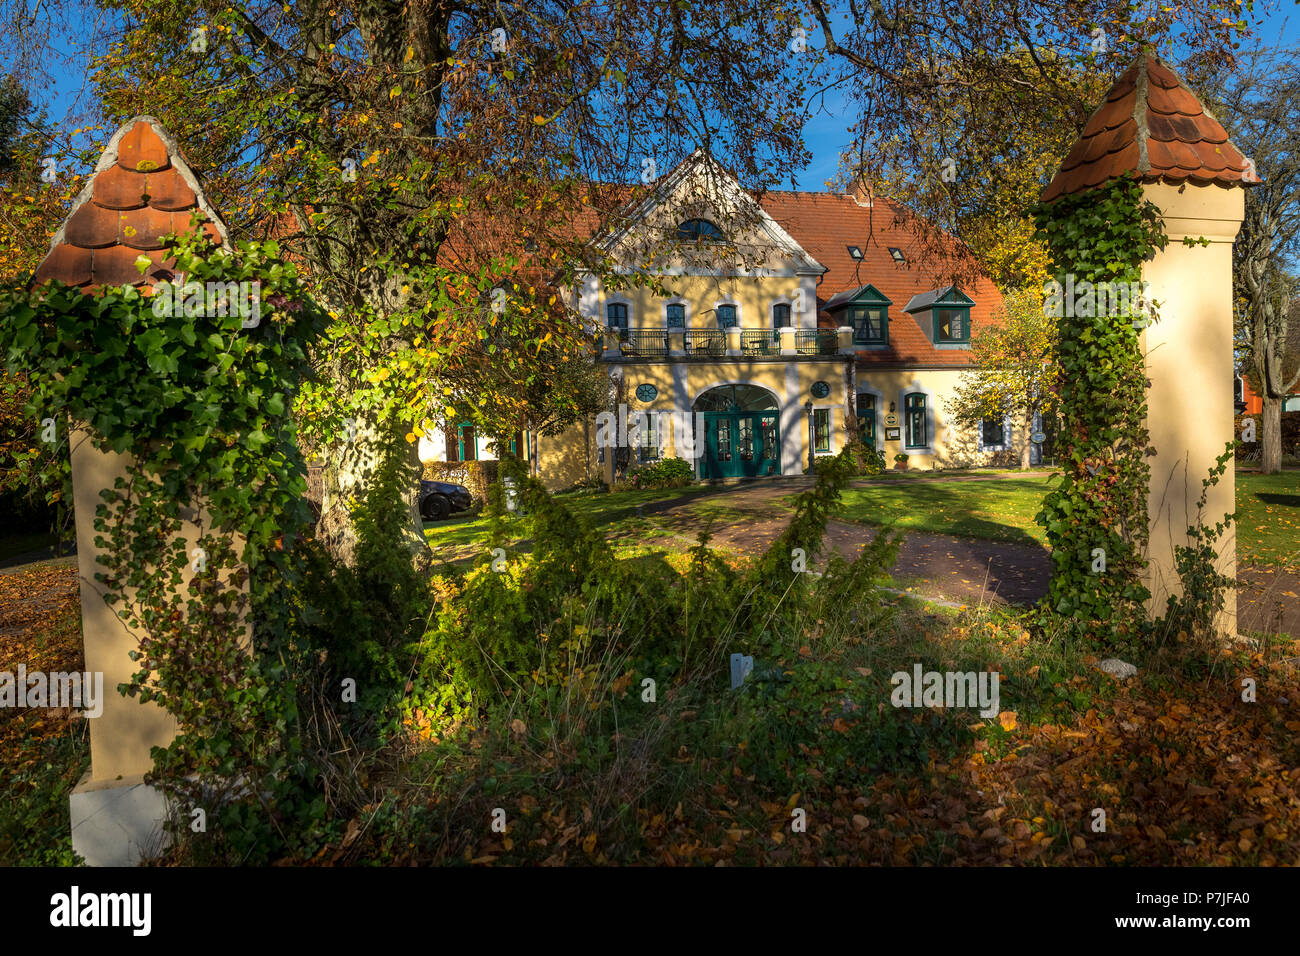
column 701, row 188
column 951, row 295
column 141, row 190
column 863, row 295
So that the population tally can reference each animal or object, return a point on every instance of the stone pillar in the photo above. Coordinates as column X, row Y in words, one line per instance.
column 116, row 818
column 1189, row 362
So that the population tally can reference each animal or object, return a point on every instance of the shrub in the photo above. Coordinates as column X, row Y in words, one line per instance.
column 474, row 475
column 666, row 473
column 865, row 459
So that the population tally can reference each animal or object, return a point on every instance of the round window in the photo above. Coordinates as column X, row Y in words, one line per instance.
column 820, row 390
column 646, row 392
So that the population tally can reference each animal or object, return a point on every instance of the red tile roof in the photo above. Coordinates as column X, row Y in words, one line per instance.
column 1155, row 128
column 142, row 189
column 826, row 224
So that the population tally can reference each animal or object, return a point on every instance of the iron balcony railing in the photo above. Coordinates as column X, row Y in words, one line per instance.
column 707, row 342
column 817, row 341
column 644, row 342
column 760, row 342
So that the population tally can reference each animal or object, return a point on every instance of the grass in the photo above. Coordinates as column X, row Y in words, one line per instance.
column 1000, row 510
column 1268, row 518
column 1268, row 531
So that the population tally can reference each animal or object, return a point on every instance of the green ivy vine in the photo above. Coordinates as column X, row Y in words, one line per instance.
column 199, row 395
column 1096, row 517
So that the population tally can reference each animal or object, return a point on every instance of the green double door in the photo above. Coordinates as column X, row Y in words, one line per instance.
column 741, row 445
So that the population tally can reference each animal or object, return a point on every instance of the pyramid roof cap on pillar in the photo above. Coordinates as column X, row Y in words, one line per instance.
column 142, row 189
column 1153, row 127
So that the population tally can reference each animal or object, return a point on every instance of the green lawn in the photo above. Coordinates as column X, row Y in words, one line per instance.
column 1268, row 518
column 459, row 536
column 1002, row 510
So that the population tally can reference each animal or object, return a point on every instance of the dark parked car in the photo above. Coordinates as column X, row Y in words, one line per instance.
column 440, row 498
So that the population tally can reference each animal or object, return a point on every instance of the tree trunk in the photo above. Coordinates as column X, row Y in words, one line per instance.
column 1270, row 435
column 349, row 466
column 1026, row 446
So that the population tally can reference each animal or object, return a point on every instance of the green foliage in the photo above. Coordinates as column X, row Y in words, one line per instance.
column 194, row 537
column 1204, row 588
column 1101, row 236
column 665, row 473
column 866, row 460
column 362, row 620
column 519, row 620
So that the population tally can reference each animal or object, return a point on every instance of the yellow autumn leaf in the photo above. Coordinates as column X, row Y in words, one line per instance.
column 1007, row 719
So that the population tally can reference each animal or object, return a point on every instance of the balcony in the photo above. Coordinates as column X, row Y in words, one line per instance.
column 705, row 344
column 760, row 342
column 645, row 342
column 817, row 341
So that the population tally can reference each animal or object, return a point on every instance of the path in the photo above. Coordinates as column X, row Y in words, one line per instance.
column 962, row 570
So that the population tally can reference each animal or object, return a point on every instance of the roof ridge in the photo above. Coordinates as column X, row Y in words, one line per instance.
column 1140, row 107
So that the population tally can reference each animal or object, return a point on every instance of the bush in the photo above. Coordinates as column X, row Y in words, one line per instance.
column 552, row 616
column 865, row 459
column 474, row 475
column 666, row 473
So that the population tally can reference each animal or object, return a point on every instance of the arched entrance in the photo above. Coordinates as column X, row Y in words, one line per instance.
column 742, row 432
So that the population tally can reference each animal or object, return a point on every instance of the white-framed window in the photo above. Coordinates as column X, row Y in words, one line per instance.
column 727, row 314
column 994, row 433
column 916, row 406
column 618, row 315
column 782, row 315
column 676, row 314
column 823, row 425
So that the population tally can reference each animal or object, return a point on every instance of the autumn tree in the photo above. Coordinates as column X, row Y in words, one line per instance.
column 1012, row 369
column 425, row 162
column 1259, row 105
column 964, row 109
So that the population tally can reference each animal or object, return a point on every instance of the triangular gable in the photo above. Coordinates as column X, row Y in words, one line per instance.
column 948, row 295
column 142, row 189
column 700, row 187
column 863, row 295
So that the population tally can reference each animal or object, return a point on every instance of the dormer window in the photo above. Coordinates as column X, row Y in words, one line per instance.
column 855, row 253
column 952, row 325
column 944, row 314
column 867, row 311
column 897, row 254
column 697, row 230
